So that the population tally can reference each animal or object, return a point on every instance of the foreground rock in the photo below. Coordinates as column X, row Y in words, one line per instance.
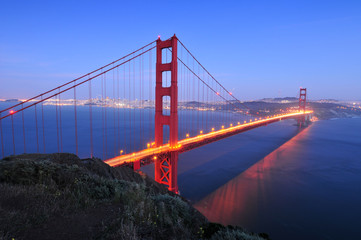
column 59, row 196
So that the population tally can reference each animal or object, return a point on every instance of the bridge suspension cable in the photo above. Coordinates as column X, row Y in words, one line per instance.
column 236, row 99
column 83, row 76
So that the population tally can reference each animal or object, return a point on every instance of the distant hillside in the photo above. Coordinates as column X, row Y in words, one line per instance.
column 59, row 196
column 290, row 99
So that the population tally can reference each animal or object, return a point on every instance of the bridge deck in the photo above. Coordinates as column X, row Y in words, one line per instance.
column 147, row 156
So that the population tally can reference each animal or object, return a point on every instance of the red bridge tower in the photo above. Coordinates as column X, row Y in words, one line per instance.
column 302, row 106
column 166, row 165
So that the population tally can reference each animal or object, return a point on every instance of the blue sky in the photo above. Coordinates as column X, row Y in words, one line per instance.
column 255, row 48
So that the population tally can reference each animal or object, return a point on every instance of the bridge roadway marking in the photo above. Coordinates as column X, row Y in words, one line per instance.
column 202, row 139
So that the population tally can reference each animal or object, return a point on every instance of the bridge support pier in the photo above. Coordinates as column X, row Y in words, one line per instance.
column 166, row 170
column 136, row 165
column 166, row 165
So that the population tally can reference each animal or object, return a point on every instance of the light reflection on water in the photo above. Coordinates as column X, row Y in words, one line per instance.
column 308, row 188
column 234, row 202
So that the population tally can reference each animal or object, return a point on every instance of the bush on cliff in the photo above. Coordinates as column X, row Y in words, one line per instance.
column 59, row 196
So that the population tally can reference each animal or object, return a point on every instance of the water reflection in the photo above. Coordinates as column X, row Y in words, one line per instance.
column 241, row 200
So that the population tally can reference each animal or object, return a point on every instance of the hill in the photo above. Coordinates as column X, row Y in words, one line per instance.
column 59, row 196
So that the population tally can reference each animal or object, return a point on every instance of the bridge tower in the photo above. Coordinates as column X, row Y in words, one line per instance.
column 166, row 165
column 302, row 106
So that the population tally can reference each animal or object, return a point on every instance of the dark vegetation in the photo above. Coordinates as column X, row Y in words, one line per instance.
column 59, row 196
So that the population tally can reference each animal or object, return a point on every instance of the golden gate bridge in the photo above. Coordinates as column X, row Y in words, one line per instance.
column 109, row 112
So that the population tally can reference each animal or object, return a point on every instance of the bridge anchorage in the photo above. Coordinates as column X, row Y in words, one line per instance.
column 89, row 114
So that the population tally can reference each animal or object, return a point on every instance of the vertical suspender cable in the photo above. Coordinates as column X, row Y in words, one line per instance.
column 140, row 102
column 198, row 125
column 91, row 119
column 118, row 108
column 150, row 94
column 42, row 120
column 102, row 106
column 22, row 113
column 130, row 109
column 124, row 112
column 12, row 127
column 134, row 101
column 105, row 115
column 114, row 126
column 60, row 124
column 57, row 122
column 76, row 122
column 36, row 129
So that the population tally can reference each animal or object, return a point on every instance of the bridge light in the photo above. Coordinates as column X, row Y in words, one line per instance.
column 217, row 93
column 250, row 120
column 12, row 111
column 121, row 152
column 245, row 121
column 155, row 157
column 239, row 123
column 212, row 129
column 148, row 145
column 231, row 124
column 222, row 126
column 187, row 135
column 201, row 132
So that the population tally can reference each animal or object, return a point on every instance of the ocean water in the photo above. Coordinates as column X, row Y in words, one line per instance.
column 48, row 129
column 289, row 184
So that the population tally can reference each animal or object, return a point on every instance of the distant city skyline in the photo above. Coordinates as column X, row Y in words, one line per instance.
column 256, row 49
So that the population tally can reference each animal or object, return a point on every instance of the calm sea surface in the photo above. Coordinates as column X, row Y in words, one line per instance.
column 289, row 183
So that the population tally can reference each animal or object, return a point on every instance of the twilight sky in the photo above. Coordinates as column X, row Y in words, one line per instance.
column 255, row 48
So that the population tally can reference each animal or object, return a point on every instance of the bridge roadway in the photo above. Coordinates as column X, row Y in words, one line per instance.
column 148, row 155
